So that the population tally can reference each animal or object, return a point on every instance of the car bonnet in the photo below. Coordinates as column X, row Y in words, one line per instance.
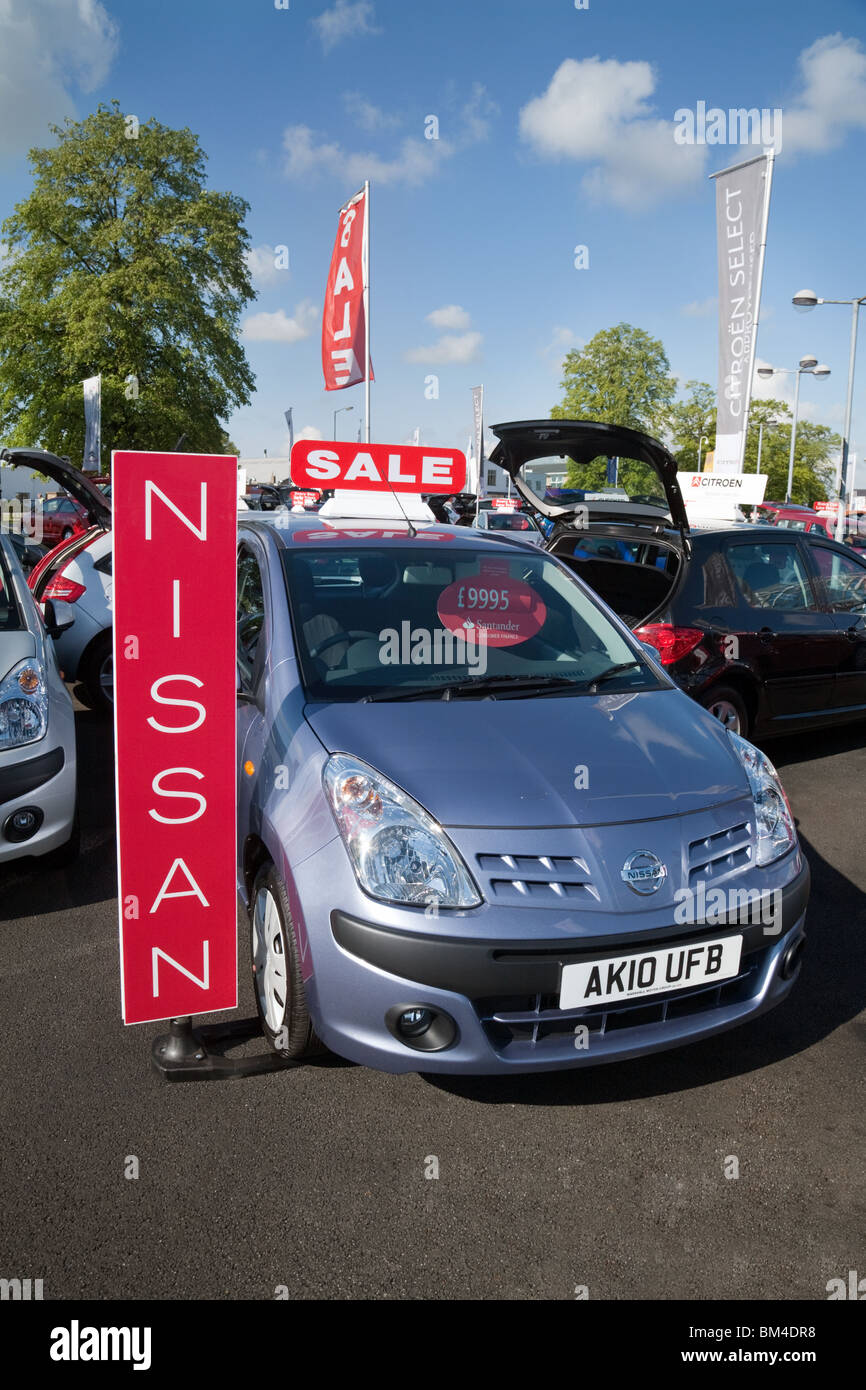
column 478, row 762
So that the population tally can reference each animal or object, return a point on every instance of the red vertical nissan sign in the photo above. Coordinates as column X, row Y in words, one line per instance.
column 343, row 332
column 175, row 543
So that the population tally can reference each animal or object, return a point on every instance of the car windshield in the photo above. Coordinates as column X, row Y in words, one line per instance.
column 421, row 621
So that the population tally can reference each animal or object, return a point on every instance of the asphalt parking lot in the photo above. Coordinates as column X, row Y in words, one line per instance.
column 313, row 1181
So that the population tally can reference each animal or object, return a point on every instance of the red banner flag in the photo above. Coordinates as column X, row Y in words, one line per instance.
column 344, row 356
column 175, row 541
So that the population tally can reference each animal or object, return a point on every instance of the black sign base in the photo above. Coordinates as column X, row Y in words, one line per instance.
column 183, row 1055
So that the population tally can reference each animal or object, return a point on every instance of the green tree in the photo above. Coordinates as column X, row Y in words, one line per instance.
column 621, row 377
column 122, row 262
column 814, row 462
column 691, row 418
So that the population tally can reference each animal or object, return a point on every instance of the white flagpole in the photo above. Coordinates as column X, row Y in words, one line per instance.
column 367, row 308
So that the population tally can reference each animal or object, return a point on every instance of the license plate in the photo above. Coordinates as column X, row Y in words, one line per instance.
column 616, row 978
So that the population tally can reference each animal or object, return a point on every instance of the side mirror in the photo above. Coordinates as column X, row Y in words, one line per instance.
column 58, row 617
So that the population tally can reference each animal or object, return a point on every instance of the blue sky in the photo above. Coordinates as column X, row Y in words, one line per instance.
column 555, row 129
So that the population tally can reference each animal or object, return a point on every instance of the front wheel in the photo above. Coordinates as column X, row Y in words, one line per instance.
column 281, row 1000
column 98, row 674
column 728, row 706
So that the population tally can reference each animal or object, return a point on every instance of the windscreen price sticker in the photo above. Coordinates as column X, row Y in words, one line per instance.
column 491, row 608
column 175, row 543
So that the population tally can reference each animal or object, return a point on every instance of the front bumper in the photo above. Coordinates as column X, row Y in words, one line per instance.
column 502, row 994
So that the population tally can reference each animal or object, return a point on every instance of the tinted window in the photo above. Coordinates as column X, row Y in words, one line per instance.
column 844, row 579
column 771, row 576
column 251, row 611
column 375, row 620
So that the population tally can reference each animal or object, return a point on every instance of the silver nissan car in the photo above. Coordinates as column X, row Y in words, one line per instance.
column 38, row 802
column 480, row 829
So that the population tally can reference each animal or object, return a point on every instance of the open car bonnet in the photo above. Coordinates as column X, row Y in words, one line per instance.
column 522, row 441
column 74, row 482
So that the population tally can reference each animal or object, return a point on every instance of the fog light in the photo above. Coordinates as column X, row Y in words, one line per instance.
column 22, row 824
column 414, row 1022
column 421, row 1028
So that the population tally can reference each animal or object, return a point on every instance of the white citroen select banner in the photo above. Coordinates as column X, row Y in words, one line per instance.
column 92, row 423
column 742, row 209
column 478, row 480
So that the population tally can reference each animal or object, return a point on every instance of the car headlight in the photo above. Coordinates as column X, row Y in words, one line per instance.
column 23, row 705
column 775, row 824
column 400, row 854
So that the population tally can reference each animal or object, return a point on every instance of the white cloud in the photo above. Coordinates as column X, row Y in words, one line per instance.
column 450, row 316
column 261, row 261
column 310, row 432
column 280, row 327
column 368, row 116
column 562, row 340
column 416, row 161
column 598, row 113
column 47, row 49
column 832, row 99
column 344, row 21
column 701, row 308
column 450, row 349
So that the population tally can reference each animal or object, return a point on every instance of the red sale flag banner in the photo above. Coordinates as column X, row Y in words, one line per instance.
column 345, row 338
column 175, row 542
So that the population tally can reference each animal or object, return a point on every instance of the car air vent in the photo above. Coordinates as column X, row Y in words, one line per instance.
column 543, row 878
column 717, row 855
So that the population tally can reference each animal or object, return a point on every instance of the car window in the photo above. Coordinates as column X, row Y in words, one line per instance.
column 771, row 576
column 251, row 611
column 51, row 504
column 375, row 620
column 10, row 620
column 844, row 579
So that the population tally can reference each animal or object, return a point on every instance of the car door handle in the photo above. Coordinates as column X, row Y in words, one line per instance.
column 766, row 634
column 855, row 634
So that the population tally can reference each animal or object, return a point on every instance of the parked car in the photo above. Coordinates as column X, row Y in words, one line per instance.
column 441, row 888
column 83, row 649
column 38, row 801
column 765, row 626
column 518, row 524
column 80, row 574
column 62, row 517
column 804, row 519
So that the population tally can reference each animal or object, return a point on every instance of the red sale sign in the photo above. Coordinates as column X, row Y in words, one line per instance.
column 344, row 357
column 377, row 467
column 175, row 543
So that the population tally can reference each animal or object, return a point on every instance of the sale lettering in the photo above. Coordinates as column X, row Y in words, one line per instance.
column 378, row 467
column 175, row 523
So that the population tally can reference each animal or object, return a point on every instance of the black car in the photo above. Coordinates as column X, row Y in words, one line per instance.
column 764, row 627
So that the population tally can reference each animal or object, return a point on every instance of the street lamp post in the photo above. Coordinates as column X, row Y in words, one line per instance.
column 342, row 410
column 810, row 366
column 808, row 299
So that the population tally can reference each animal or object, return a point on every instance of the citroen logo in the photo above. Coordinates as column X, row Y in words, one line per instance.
column 644, row 872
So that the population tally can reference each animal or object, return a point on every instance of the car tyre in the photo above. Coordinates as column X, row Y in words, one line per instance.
column 67, row 533
column 727, row 705
column 281, row 1000
column 98, row 674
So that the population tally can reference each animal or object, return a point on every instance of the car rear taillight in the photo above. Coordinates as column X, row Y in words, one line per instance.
column 62, row 588
column 670, row 642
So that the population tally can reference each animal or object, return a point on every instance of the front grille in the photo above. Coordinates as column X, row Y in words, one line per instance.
column 543, row 878
column 717, row 855
column 529, row 1023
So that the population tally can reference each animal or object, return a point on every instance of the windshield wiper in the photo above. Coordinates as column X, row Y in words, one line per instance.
column 477, row 685
column 611, row 671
